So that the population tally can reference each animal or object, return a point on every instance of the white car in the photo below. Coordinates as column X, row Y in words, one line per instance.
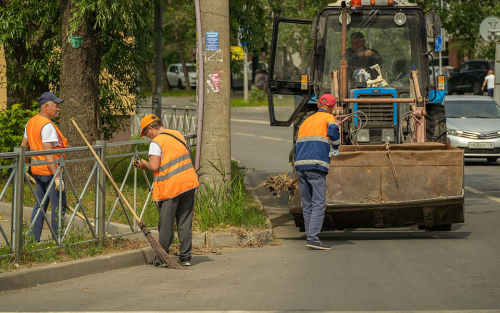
column 175, row 75
column 473, row 124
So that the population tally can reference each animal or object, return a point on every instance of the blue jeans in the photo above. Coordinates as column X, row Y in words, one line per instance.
column 42, row 184
column 490, row 92
column 312, row 188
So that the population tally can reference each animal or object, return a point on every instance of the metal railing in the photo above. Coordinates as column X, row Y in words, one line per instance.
column 99, row 221
column 183, row 119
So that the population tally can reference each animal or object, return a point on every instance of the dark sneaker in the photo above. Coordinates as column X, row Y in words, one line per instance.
column 317, row 245
column 185, row 262
column 156, row 263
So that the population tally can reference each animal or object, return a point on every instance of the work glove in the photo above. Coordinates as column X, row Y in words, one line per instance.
column 59, row 184
column 333, row 153
column 136, row 163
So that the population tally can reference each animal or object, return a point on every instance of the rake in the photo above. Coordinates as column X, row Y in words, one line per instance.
column 160, row 253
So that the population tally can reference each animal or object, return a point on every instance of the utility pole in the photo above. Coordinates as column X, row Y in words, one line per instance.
column 216, row 75
column 157, row 67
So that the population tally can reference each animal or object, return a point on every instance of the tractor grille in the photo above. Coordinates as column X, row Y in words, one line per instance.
column 473, row 135
column 377, row 112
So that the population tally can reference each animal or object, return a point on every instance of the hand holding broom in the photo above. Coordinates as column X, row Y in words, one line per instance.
column 160, row 253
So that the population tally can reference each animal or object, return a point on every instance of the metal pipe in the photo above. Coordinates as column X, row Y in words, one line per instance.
column 383, row 100
column 343, row 62
column 200, row 89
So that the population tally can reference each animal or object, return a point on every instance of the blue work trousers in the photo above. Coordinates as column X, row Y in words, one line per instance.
column 42, row 184
column 312, row 188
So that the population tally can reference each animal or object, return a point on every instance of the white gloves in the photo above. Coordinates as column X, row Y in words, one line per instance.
column 333, row 153
column 59, row 184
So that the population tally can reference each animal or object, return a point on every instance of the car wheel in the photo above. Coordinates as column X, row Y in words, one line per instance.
column 179, row 84
column 477, row 89
column 436, row 123
column 492, row 159
column 450, row 88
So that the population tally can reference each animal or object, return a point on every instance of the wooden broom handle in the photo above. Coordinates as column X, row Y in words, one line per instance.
column 105, row 171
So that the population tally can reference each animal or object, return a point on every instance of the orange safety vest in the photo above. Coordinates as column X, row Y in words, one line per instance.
column 176, row 173
column 34, row 133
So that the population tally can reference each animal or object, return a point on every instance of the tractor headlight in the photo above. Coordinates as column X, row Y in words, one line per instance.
column 388, row 135
column 363, row 135
column 400, row 18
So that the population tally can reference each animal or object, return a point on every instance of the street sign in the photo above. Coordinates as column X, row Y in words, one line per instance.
column 489, row 29
column 438, row 43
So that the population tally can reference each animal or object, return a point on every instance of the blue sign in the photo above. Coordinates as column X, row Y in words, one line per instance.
column 438, row 43
column 212, row 41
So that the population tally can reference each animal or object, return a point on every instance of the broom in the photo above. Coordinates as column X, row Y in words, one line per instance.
column 160, row 253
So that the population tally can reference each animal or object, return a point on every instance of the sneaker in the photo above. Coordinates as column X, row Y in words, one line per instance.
column 156, row 263
column 317, row 245
column 185, row 262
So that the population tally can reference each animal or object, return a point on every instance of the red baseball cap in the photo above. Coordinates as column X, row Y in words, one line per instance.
column 328, row 100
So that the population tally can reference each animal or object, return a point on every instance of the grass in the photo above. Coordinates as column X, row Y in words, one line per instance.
column 172, row 93
column 240, row 102
column 227, row 204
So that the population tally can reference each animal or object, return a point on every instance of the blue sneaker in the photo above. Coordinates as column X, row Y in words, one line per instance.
column 317, row 245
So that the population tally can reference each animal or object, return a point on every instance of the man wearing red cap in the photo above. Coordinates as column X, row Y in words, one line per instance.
column 174, row 184
column 317, row 141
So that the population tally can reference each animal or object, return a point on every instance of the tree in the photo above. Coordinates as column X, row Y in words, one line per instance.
column 461, row 19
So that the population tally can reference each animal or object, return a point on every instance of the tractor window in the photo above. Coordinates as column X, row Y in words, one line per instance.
column 380, row 48
column 293, row 50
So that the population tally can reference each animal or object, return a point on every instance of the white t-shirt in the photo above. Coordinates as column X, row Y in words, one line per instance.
column 490, row 81
column 154, row 149
column 49, row 134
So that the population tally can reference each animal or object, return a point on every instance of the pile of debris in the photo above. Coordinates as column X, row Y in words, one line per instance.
column 281, row 184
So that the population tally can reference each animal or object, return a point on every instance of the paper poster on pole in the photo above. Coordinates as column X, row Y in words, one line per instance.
column 212, row 41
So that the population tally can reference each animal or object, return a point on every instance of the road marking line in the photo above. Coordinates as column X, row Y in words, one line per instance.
column 243, row 134
column 271, row 138
column 473, row 190
column 249, row 121
column 494, row 198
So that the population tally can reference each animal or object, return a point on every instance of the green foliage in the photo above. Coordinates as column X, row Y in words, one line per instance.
column 257, row 95
column 12, row 122
column 461, row 19
column 226, row 203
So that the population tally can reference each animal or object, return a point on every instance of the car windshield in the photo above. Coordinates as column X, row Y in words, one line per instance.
column 471, row 109
column 191, row 68
column 396, row 49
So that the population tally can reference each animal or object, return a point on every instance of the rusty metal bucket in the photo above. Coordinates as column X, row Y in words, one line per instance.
column 415, row 184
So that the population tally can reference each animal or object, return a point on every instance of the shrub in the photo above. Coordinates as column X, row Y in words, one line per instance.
column 257, row 95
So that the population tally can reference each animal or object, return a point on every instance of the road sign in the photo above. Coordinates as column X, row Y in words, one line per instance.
column 489, row 28
column 438, row 43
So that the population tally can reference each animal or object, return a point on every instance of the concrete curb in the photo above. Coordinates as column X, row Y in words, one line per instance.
column 56, row 272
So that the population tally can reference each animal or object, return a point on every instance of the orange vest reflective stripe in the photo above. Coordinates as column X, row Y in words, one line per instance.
column 176, row 173
column 34, row 133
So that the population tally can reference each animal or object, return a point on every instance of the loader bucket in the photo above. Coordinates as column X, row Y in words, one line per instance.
column 423, row 186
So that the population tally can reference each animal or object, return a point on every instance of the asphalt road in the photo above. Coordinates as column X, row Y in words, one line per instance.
column 384, row 270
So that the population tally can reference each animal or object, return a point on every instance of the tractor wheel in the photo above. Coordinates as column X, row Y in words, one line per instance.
column 436, row 123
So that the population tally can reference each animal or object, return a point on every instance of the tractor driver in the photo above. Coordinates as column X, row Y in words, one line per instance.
column 358, row 56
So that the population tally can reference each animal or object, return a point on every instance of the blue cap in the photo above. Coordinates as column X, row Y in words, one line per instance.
column 48, row 96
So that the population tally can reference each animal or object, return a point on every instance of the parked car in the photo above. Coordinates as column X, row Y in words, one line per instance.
column 469, row 77
column 175, row 75
column 473, row 124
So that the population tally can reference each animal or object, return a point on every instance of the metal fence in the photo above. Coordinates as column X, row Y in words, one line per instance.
column 98, row 221
column 183, row 119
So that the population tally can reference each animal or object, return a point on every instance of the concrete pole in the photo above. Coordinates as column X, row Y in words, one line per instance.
column 496, row 90
column 158, row 49
column 216, row 144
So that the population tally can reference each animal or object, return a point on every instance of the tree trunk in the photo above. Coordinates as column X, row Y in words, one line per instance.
column 80, row 68
column 166, row 85
column 180, row 50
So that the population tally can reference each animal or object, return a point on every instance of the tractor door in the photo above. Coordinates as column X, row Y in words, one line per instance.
column 291, row 57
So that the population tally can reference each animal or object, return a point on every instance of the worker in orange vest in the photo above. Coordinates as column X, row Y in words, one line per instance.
column 42, row 134
column 174, row 184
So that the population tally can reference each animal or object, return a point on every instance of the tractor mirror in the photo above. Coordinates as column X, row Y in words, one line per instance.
column 433, row 25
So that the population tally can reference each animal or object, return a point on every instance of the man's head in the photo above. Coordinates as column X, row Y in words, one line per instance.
column 490, row 72
column 49, row 104
column 327, row 102
column 358, row 41
column 149, row 125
